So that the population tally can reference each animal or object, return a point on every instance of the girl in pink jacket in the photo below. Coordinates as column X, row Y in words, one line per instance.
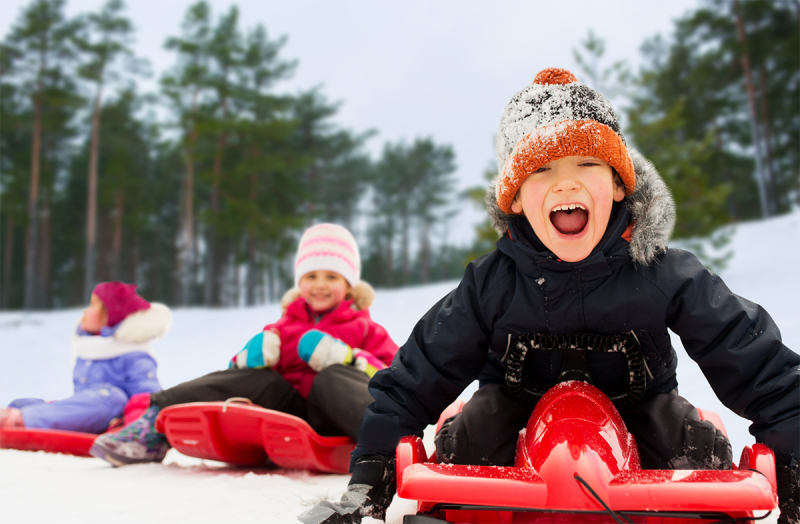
column 315, row 362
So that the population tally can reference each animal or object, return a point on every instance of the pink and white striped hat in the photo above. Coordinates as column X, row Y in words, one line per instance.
column 331, row 248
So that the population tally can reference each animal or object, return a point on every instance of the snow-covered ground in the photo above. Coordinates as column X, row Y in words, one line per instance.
column 35, row 362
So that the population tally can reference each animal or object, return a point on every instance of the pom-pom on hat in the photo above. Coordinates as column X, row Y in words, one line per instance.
column 331, row 248
column 120, row 300
column 555, row 117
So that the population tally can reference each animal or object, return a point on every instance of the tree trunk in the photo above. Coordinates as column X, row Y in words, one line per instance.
column 751, row 98
column 116, row 243
column 766, row 124
column 135, row 258
column 797, row 11
column 389, row 258
column 405, row 248
column 186, row 239
column 237, row 276
column 425, row 252
column 8, row 259
column 45, row 255
column 251, row 282
column 91, row 204
column 726, row 173
column 33, row 199
column 250, row 291
column 155, row 266
column 214, row 267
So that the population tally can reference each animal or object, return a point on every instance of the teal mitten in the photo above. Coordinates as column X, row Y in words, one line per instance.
column 261, row 351
column 320, row 350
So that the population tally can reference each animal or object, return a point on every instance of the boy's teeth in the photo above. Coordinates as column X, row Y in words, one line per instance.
column 568, row 207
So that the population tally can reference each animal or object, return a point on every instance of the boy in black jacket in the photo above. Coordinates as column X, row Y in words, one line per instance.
column 583, row 258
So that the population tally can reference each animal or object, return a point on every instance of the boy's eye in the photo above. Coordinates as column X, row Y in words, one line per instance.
column 540, row 170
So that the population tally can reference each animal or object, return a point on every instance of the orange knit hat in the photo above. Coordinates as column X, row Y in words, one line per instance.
column 552, row 118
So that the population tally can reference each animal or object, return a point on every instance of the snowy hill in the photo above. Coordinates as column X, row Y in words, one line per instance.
column 35, row 362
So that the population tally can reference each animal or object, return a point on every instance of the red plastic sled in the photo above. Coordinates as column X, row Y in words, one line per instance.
column 575, row 457
column 248, row 435
column 49, row 440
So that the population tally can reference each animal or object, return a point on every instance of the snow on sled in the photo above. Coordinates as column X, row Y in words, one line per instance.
column 248, row 435
column 575, row 458
column 49, row 440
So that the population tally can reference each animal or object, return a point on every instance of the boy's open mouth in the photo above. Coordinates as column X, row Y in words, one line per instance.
column 569, row 219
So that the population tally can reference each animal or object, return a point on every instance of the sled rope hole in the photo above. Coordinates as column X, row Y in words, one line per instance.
column 235, row 399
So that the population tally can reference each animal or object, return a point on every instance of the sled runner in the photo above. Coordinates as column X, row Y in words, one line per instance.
column 576, row 458
column 248, row 435
column 49, row 440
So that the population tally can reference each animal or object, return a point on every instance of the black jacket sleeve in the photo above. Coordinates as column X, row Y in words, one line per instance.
column 739, row 349
column 446, row 351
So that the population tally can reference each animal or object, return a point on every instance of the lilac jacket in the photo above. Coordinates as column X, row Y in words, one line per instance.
column 109, row 368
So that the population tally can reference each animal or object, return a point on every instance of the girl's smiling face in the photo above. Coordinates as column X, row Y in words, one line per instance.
column 323, row 290
column 568, row 202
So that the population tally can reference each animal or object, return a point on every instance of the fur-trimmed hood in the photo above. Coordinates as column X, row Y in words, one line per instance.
column 362, row 295
column 145, row 326
column 133, row 335
column 651, row 206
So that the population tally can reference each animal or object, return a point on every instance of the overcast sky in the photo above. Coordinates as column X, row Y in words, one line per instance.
column 440, row 69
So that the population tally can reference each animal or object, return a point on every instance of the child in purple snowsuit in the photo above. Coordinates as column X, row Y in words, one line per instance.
column 114, row 361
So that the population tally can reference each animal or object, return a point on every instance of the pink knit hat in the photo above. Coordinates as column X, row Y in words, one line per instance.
column 120, row 300
column 331, row 248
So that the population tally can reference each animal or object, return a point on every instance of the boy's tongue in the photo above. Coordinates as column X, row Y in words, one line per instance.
column 569, row 222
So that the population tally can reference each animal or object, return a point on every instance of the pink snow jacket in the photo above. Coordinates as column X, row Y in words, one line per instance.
column 350, row 322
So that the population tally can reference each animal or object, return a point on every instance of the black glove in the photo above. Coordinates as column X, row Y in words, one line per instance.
column 788, row 473
column 368, row 494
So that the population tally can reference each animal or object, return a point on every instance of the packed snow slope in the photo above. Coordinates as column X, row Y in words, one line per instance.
column 35, row 360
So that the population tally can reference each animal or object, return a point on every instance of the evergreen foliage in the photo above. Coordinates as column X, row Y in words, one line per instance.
column 203, row 205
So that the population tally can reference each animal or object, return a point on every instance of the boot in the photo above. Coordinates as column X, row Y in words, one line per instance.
column 136, row 443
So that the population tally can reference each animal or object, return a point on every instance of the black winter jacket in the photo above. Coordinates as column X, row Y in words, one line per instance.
column 639, row 286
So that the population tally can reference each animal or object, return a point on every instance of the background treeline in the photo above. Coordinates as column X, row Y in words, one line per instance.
column 197, row 193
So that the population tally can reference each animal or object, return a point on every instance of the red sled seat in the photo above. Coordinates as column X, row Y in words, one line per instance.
column 248, row 435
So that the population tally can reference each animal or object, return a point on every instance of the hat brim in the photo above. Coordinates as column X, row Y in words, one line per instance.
column 558, row 140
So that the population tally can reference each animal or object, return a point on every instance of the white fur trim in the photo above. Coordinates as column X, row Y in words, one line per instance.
column 146, row 325
column 133, row 335
column 104, row 348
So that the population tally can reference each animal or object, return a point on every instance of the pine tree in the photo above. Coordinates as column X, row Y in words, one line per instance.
column 184, row 87
column 35, row 52
column 107, row 39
